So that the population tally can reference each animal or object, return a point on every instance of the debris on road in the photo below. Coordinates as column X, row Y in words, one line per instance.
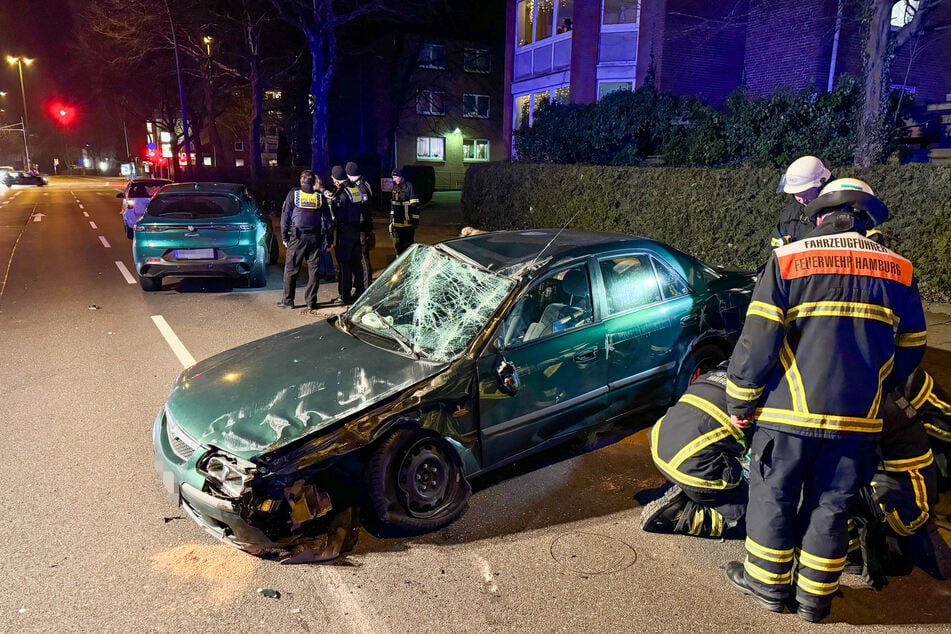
column 269, row 593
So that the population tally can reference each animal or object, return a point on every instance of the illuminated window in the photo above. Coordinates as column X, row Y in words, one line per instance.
column 239, row 146
column 475, row 149
column 430, row 102
column 535, row 20
column 165, row 136
column 475, row 106
column 432, row 56
column 522, row 106
column 566, row 15
column 903, row 12
column 477, row 60
column 430, row 148
column 606, row 87
column 562, row 95
column 620, row 12
column 206, row 161
column 541, row 97
column 239, row 162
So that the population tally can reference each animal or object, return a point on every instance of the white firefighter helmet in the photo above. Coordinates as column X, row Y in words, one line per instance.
column 853, row 194
column 804, row 173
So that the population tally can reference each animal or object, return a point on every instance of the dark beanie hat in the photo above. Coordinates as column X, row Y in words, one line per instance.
column 397, row 172
column 338, row 173
column 352, row 169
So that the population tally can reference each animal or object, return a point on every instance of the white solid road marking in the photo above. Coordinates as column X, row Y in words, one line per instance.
column 93, row 224
column 105, row 242
column 173, row 341
column 125, row 272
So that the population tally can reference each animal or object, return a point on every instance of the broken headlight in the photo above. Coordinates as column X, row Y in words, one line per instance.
column 228, row 474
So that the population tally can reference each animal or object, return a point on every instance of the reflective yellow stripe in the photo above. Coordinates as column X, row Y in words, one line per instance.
column 764, row 576
column 675, row 475
column 855, row 310
column 909, row 464
column 921, row 397
column 854, row 544
column 814, row 587
column 742, row 393
column 819, row 421
column 698, row 443
column 937, row 432
column 776, row 242
column 822, row 564
column 766, row 311
column 894, row 520
column 796, row 389
column 716, row 520
column 714, row 412
column 883, row 372
column 942, row 406
column 696, row 523
column 912, row 339
column 769, row 554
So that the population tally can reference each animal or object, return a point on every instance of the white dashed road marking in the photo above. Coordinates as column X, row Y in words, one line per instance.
column 173, row 341
column 105, row 242
column 93, row 224
column 86, row 214
column 125, row 272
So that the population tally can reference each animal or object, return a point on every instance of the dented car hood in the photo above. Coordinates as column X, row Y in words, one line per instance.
column 267, row 393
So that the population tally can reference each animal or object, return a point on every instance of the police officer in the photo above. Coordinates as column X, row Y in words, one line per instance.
column 803, row 179
column 832, row 317
column 697, row 448
column 305, row 223
column 404, row 212
column 353, row 224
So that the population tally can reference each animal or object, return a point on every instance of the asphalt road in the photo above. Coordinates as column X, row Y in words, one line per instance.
column 91, row 541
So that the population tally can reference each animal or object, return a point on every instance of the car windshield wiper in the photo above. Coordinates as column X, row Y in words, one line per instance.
column 398, row 337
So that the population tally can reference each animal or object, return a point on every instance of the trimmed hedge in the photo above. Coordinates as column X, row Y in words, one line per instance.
column 722, row 216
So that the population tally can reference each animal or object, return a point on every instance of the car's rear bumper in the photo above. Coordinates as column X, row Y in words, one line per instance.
column 231, row 267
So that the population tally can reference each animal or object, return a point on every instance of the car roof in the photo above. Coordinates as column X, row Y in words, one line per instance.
column 236, row 189
column 503, row 250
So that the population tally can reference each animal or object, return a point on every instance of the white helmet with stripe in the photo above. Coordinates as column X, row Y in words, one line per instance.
column 852, row 195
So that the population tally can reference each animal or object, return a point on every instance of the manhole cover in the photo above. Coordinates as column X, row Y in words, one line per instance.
column 592, row 554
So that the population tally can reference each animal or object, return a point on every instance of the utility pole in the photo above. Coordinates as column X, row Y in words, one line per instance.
column 181, row 96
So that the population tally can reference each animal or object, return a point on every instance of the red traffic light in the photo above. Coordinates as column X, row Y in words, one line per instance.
column 64, row 114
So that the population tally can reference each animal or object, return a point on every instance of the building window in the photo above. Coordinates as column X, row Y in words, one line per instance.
column 430, row 148
column 475, row 149
column 239, row 162
column 239, row 146
column 535, row 20
column 903, row 12
column 566, row 15
column 620, row 12
column 475, row 106
column 477, row 60
column 432, row 56
column 206, row 161
column 521, row 111
column 562, row 95
column 538, row 99
column 430, row 102
column 606, row 87
column 272, row 163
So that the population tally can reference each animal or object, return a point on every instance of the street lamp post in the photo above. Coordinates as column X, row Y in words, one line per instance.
column 20, row 61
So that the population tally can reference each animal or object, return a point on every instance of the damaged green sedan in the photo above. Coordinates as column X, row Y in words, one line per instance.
column 462, row 357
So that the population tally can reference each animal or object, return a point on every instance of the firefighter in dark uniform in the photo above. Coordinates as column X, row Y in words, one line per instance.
column 934, row 408
column 353, row 230
column 404, row 212
column 803, row 179
column 305, row 223
column 831, row 319
column 697, row 448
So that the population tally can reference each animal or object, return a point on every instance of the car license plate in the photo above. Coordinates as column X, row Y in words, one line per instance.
column 195, row 254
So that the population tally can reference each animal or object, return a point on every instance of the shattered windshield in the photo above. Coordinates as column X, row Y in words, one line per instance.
column 430, row 303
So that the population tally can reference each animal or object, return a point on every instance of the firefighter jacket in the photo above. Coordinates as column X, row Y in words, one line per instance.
column 932, row 404
column 831, row 318
column 694, row 444
column 404, row 205
column 792, row 225
column 905, row 482
column 305, row 212
column 351, row 205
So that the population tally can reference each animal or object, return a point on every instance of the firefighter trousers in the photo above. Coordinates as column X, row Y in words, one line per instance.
column 825, row 474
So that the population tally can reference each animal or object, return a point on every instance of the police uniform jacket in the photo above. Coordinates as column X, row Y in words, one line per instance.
column 832, row 317
column 404, row 205
column 306, row 212
column 694, row 444
column 352, row 207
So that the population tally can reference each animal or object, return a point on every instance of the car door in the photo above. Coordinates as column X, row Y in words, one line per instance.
column 649, row 318
column 553, row 343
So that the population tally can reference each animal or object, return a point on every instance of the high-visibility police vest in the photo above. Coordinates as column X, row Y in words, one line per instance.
column 304, row 200
column 356, row 194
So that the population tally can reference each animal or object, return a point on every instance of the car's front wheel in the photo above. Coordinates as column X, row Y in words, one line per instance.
column 415, row 481
column 150, row 283
column 273, row 250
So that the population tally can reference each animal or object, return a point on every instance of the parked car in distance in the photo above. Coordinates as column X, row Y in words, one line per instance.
column 461, row 357
column 135, row 197
column 23, row 178
column 203, row 230
column 4, row 170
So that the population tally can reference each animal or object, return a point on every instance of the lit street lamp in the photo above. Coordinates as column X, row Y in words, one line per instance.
column 20, row 61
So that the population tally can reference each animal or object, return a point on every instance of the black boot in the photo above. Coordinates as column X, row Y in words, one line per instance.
column 736, row 575
column 661, row 515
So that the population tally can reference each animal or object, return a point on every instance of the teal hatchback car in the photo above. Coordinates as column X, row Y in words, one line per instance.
column 203, row 230
column 461, row 357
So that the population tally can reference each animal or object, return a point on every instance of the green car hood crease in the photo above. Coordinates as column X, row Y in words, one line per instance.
column 267, row 393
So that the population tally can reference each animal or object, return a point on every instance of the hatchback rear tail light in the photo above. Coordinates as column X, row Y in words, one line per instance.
column 233, row 227
column 151, row 228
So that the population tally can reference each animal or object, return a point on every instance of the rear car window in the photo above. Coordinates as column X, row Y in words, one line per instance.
column 144, row 190
column 193, row 207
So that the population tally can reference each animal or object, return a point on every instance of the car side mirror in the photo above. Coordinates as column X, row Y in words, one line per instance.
column 120, row 195
column 507, row 375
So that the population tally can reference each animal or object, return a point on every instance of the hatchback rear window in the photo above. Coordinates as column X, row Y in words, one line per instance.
column 144, row 190
column 193, row 207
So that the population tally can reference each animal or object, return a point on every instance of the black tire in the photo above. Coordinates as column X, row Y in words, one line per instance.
column 128, row 231
column 150, row 283
column 415, row 481
column 257, row 278
column 273, row 250
column 702, row 359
